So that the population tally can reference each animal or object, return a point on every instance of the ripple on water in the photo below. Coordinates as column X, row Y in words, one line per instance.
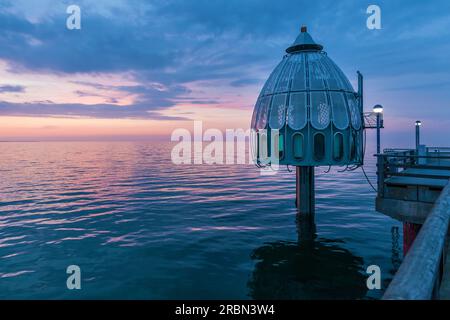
column 140, row 227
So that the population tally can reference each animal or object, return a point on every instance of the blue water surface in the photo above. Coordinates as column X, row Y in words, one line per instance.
column 140, row 227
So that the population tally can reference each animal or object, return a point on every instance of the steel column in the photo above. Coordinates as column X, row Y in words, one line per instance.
column 378, row 134
column 410, row 231
column 305, row 192
column 417, row 138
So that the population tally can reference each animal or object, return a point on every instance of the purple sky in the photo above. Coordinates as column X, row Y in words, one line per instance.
column 143, row 68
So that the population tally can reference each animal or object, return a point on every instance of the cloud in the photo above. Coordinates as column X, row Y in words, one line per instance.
column 156, row 96
column 245, row 82
column 74, row 110
column 164, row 45
column 226, row 45
column 11, row 88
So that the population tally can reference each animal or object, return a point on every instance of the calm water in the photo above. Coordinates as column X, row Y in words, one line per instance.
column 140, row 227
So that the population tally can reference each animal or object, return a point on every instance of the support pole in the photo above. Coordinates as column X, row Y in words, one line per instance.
column 305, row 192
column 417, row 137
column 306, row 228
column 378, row 133
column 361, row 92
column 410, row 231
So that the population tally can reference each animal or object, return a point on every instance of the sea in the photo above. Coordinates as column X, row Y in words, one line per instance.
column 139, row 226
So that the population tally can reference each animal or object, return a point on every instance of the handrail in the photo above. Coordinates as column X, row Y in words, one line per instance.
column 438, row 148
column 418, row 274
column 398, row 150
column 410, row 156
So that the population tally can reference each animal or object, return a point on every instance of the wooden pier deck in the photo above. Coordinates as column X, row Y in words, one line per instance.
column 415, row 189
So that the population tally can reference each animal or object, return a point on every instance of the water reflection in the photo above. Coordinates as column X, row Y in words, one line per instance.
column 126, row 215
column 312, row 268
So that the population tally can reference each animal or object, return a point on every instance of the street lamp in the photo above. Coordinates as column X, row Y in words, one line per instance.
column 378, row 110
column 418, row 124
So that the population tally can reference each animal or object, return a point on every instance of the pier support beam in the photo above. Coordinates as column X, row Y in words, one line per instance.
column 305, row 192
column 306, row 228
column 410, row 231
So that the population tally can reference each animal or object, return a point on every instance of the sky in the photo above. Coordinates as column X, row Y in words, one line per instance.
column 140, row 69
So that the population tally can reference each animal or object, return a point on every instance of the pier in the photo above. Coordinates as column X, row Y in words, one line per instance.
column 308, row 115
column 414, row 188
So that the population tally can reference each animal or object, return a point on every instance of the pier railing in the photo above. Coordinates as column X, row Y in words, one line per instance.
column 420, row 273
column 393, row 162
column 438, row 153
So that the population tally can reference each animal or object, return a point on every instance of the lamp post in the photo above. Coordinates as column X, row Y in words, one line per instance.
column 378, row 110
column 418, row 124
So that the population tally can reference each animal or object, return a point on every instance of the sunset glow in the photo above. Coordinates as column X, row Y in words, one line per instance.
column 161, row 67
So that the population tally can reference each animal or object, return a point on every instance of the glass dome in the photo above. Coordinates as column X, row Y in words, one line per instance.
column 313, row 109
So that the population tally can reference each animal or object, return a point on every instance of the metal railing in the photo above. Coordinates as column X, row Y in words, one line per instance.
column 419, row 276
column 393, row 162
column 438, row 153
column 438, row 149
column 370, row 120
